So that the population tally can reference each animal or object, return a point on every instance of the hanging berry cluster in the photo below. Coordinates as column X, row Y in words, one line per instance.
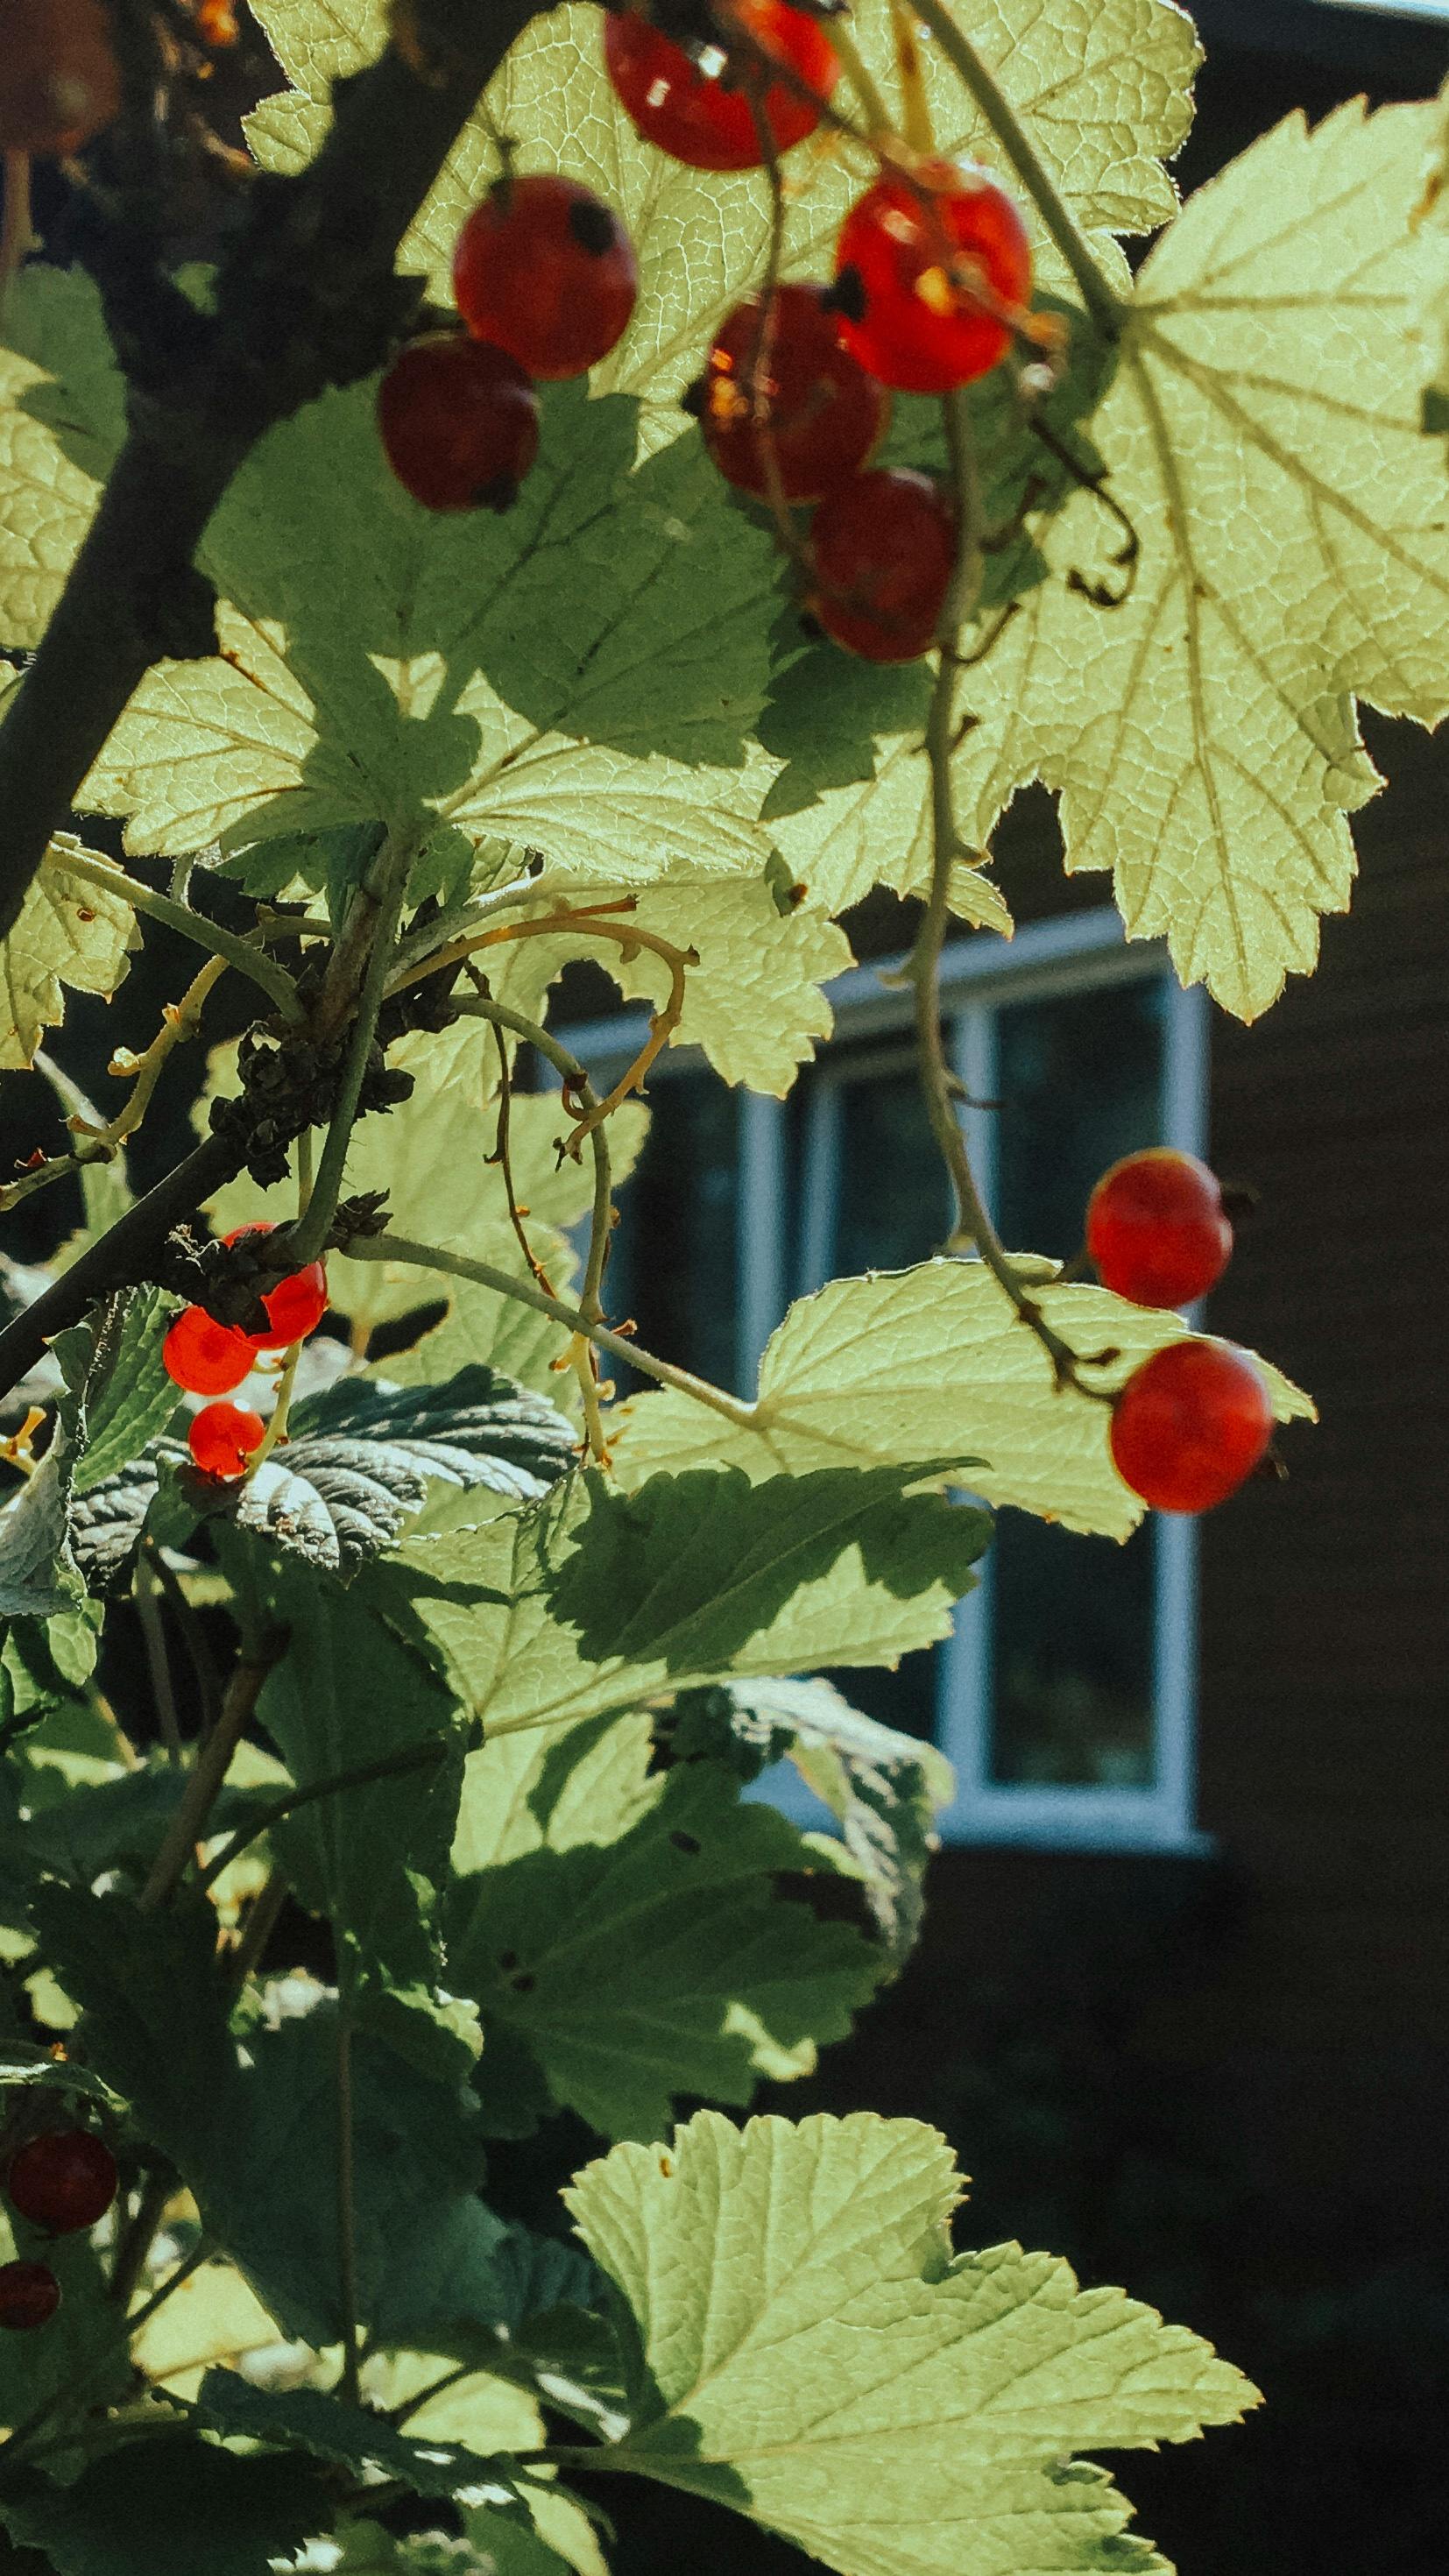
column 209, row 1358
column 932, row 277
column 61, row 2181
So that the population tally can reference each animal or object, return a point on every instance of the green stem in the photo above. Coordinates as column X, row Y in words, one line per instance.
column 1104, row 307
column 483, row 1007
column 479, row 911
column 137, row 2240
column 144, row 1593
column 506, row 1283
column 346, row 2209
column 203, row 1663
column 261, row 1923
column 387, row 890
column 414, row 1757
column 274, row 980
column 212, row 1764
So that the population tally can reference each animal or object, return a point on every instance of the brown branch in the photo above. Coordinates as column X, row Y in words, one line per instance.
column 305, row 298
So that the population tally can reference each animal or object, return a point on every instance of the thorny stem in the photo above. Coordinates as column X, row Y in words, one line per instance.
column 457, row 1265
column 346, row 2209
column 212, row 1764
column 386, row 892
column 1000, row 115
column 413, row 1757
column 238, row 951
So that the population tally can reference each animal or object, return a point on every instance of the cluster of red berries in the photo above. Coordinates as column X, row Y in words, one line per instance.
column 208, row 1358
column 62, row 2180
column 1194, row 1420
column 932, row 271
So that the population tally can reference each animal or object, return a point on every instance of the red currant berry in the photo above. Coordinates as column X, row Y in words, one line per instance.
column 222, row 1438
column 63, row 2179
column 1156, row 1228
column 883, row 547
column 929, row 275
column 59, row 80
column 29, row 2296
column 779, row 383
column 1190, row 1424
column 459, row 423
column 702, row 112
column 295, row 1307
column 205, row 1357
column 545, row 271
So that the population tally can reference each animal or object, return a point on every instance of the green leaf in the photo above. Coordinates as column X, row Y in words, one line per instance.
column 70, row 933
column 34, row 2069
column 807, row 2349
column 168, row 2507
column 36, row 2367
column 62, row 418
column 904, row 1361
column 594, row 1599
column 626, row 1926
column 306, row 2419
column 128, row 1395
column 479, row 1327
column 120, row 1823
column 1263, row 435
column 583, row 673
column 107, row 1520
column 37, row 1572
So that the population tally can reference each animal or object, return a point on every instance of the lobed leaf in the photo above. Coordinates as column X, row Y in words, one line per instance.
column 69, row 934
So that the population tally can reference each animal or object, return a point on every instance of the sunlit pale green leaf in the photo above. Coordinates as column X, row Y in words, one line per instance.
column 808, row 2351
column 61, row 419
column 69, row 933
column 877, row 1368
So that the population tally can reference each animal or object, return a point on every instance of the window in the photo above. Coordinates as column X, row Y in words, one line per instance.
column 1065, row 1696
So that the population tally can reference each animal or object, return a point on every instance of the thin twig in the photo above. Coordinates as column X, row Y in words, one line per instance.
column 137, row 2240
column 346, row 2209
column 18, row 2443
column 212, row 1764
column 101, row 1142
column 413, row 1757
column 193, row 1635
column 17, row 233
column 153, row 1637
column 385, row 894
column 261, row 1923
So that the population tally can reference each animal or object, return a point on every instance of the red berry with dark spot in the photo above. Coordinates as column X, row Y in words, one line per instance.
column 701, row 112
column 459, row 423
column 29, row 2296
column 545, row 271
column 1190, row 1425
column 883, row 547
column 222, row 1438
column 63, row 2179
column 778, row 383
column 1156, row 1228
column 205, row 1357
column 295, row 1307
column 929, row 276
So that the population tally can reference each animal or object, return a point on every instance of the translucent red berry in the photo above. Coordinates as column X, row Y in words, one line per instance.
column 1156, row 1228
column 1190, row 1424
column 545, row 271
column 295, row 1307
column 59, row 80
column 205, row 1357
column 778, row 382
column 29, row 2296
column 459, row 423
column 883, row 546
column 929, row 274
column 222, row 1438
column 63, row 2179
column 702, row 112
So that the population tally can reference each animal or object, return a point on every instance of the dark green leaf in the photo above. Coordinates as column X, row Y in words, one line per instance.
column 120, row 1823
column 107, row 1520
column 305, row 2419
column 128, row 1395
column 172, row 2508
column 36, row 2070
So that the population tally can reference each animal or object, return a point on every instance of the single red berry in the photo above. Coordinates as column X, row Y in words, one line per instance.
column 222, row 1438
column 883, row 547
column 29, row 2296
column 59, row 80
column 206, row 1357
column 702, row 112
column 295, row 1307
column 778, row 383
column 63, row 2179
column 1156, row 1228
column 545, row 271
column 1190, row 1424
column 459, row 423
column 929, row 275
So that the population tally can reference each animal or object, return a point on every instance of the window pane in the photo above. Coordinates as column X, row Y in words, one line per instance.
column 893, row 1204
column 1079, row 1080
column 673, row 1265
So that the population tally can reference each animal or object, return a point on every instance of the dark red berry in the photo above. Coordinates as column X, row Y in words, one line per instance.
column 29, row 2296
column 459, row 423
column 63, row 2179
column 778, row 382
column 702, row 112
column 883, row 547
column 930, row 273
column 60, row 83
column 222, row 1438
column 205, row 1357
column 545, row 271
column 1190, row 1424
column 295, row 1307
column 1156, row 1228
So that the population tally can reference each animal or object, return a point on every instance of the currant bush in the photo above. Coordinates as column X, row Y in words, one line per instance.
column 778, row 382
column 459, row 423
column 545, row 271
column 930, row 273
column 1156, row 1228
column 223, row 1438
column 882, row 548
column 63, row 2179
column 702, row 113
column 1190, row 1425
column 59, row 81
column 29, row 2296
column 205, row 1357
